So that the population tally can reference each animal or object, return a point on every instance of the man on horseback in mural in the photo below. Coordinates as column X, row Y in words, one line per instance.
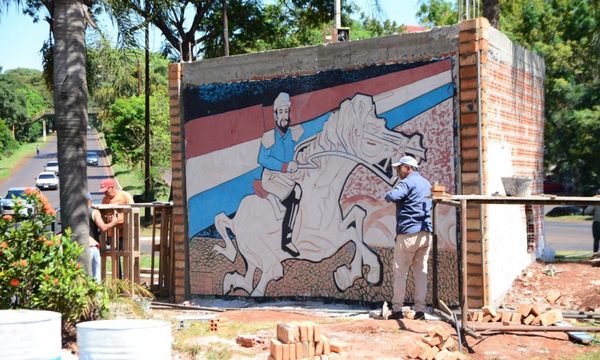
column 276, row 155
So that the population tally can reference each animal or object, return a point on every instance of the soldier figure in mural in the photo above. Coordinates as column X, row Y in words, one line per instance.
column 276, row 156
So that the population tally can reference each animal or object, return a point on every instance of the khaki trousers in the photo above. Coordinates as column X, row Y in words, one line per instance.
column 411, row 250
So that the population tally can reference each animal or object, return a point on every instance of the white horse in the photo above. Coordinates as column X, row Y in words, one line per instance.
column 352, row 136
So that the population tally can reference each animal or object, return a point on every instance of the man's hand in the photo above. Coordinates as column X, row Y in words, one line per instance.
column 292, row 166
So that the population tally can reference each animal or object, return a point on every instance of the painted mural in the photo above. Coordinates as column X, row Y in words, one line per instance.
column 285, row 178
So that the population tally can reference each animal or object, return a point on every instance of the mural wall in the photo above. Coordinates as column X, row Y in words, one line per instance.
column 285, row 179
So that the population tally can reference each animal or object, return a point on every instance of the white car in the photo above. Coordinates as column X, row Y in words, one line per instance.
column 52, row 165
column 47, row 180
column 8, row 203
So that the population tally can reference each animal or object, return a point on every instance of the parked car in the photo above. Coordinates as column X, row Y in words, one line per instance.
column 565, row 211
column 52, row 165
column 8, row 203
column 92, row 158
column 47, row 180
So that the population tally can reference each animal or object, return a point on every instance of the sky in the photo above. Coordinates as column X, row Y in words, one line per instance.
column 21, row 39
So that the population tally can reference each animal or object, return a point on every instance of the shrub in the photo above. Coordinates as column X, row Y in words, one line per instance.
column 40, row 270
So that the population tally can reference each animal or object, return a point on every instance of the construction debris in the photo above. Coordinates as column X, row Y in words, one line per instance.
column 303, row 340
column 437, row 344
column 526, row 314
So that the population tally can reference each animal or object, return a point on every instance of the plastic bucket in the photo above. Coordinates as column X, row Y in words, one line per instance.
column 126, row 339
column 517, row 186
column 30, row 334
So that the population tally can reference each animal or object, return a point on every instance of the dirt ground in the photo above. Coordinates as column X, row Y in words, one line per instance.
column 578, row 283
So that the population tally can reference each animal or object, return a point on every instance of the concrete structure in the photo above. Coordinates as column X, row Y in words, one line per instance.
column 458, row 98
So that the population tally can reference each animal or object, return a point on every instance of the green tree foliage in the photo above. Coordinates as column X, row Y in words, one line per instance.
column 7, row 143
column 39, row 270
column 124, row 122
column 437, row 13
column 119, row 73
column 23, row 99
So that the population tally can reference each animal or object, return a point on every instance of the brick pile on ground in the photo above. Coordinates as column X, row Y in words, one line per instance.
column 303, row 340
column 438, row 344
column 526, row 314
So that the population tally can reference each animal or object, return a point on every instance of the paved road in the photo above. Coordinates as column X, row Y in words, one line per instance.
column 569, row 235
column 26, row 174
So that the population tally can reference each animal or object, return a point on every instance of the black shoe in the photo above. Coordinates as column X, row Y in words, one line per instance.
column 290, row 249
column 396, row 315
column 419, row 315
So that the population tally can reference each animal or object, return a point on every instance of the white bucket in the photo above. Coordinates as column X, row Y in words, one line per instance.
column 30, row 334
column 126, row 339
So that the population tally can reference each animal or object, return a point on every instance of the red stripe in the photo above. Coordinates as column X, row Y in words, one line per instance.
column 216, row 132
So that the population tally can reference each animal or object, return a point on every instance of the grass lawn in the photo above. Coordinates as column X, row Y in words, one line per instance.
column 8, row 164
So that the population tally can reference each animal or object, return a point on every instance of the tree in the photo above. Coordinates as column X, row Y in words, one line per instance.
column 70, row 107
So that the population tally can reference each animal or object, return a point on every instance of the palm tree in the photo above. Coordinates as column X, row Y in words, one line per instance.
column 70, row 108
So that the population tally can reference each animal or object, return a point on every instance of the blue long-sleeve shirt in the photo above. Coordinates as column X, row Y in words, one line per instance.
column 413, row 205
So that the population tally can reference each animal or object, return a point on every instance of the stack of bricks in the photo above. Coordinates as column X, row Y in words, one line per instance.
column 526, row 314
column 437, row 344
column 299, row 341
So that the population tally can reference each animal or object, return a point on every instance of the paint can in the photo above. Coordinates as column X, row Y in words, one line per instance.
column 126, row 339
column 30, row 334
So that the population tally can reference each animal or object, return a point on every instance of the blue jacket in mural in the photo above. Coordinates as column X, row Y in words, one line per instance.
column 277, row 149
column 413, row 204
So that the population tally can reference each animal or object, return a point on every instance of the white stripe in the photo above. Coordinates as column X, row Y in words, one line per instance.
column 231, row 163
column 239, row 159
column 392, row 99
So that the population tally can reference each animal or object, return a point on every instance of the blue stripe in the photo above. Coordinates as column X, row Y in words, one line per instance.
column 226, row 197
column 401, row 114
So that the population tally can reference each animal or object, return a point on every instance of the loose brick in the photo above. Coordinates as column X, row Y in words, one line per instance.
column 551, row 317
column 299, row 350
column 317, row 332
column 304, row 349
column 488, row 310
column 528, row 319
column 431, row 340
column 431, row 353
column 552, row 296
column 524, row 309
column 438, row 330
column 443, row 355
column 318, row 347
column 449, row 344
column 338, row 346
column 287, row 333
column 416, row 349
column 506, row 316
column 535, row 310
column 276, row 349
column 326, row 345
column 311, row 348
column 303, row 332
column 516, row 318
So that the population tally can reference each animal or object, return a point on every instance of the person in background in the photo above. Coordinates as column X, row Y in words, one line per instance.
column 115, row 196
column 595, row 210
column 412, row 196
column 97, row 225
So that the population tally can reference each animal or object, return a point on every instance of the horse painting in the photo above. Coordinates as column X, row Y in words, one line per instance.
column 352, row 136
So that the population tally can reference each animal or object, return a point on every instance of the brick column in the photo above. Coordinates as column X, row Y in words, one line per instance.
column 179, row 225
column 472, row 61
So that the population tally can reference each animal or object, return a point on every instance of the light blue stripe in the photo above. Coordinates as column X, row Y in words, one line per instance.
column 204, row 206
column 401, row 114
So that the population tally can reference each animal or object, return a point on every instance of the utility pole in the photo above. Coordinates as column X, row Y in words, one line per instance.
column 147, row 117
column 225, row 29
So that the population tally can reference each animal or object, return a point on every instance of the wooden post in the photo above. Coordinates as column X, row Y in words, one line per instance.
column 434, row 287
column 463, row 261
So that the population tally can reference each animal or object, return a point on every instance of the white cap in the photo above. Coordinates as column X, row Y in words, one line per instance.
column 407, row 160
column 283, row 99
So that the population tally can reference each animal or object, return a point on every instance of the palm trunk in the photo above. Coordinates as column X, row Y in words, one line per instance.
column 70, row 105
